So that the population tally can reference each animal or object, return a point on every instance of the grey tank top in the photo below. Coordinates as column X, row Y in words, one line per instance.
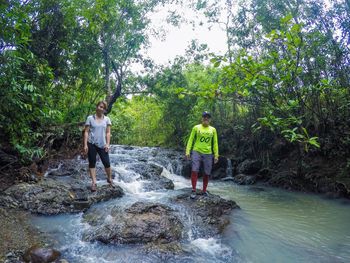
column 97, row 130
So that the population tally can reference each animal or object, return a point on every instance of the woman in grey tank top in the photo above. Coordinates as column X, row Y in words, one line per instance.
column 97, row 138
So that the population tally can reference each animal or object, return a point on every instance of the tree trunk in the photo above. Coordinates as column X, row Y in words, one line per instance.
column 107, row 74
column 118, row 89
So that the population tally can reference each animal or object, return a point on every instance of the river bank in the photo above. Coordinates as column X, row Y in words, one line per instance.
column 16, row 233
column 313, row 174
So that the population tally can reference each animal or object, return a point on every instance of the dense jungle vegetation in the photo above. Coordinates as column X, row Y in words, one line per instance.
column 284, row 78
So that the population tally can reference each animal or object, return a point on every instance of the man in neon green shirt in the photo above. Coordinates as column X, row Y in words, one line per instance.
column 204, row 140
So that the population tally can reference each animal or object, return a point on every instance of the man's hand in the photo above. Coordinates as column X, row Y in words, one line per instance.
column 188, row 157
column 216, row 160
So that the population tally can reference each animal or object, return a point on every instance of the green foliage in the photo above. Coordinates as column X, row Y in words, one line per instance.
column 281, row 77
column 55, row 60
column 303, row 138
column 285, row 74
column 140, row 121
column 269, row 86
column 185, row 92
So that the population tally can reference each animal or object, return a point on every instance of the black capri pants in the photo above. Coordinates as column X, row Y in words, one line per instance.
column 92, row 151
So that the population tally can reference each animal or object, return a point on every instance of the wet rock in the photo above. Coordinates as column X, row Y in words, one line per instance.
column 160, row 228
column 73, row 168
column 249, row 167
column 152, row 173
column 210, row 214
column 14, row 257
column 168, row 249
column 287, row 180
column 324, row 185
column 332, row 195
column 66, row 168
column 141, row 223
column 343, row 188
column 171, row 252
column 8, row 202
column 152, row 170
column 220, row 168
column 81, row 205
column 128, row 147
column 53, row 197
column 264, row 173
column 162, row 183
column 244, row 179
column 37, row 254
column 186, row 169
column 218, row 173
column 147, row 170
column 104, row 193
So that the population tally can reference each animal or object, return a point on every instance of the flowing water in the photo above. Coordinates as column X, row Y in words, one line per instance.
column 272, row 225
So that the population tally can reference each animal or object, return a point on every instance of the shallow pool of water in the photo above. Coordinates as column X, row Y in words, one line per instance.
column 278, row 226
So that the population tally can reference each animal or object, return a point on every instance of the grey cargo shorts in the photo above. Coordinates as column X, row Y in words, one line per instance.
column 207, row 160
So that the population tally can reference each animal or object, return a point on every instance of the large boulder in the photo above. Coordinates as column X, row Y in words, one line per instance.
column 289, row 180
column 186, row 169
column 161, row 183
column 148, row 171
column 70, row 167
column 160, row 228
column 76, row 169
column 210, row 214
column 51, row 196
column 220, row 168
column 38, row 254
column 141, row 223
column 153, row 174
column 249, row 167
column 248, row 179
column 245, row 179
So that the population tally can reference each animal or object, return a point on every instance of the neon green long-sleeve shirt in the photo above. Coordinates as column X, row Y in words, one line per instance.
column 203, row 138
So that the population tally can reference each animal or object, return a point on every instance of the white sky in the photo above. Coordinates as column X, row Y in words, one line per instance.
column 179, row 38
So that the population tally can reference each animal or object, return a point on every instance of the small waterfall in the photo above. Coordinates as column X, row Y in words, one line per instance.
column 128, row 180
column 137, row 170
column 229, row 171
column 212, row 246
